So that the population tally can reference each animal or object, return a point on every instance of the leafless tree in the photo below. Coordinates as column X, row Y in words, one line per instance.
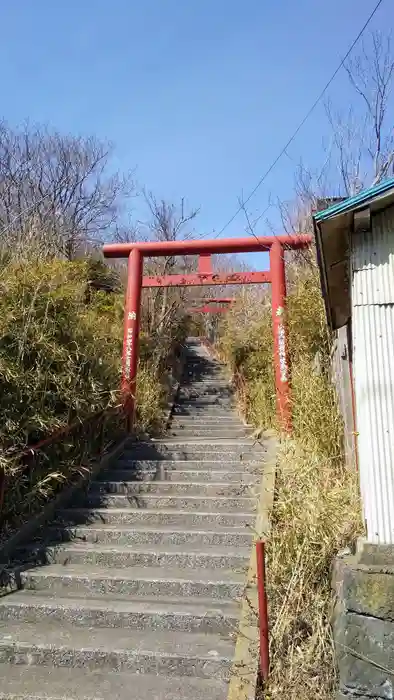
column 360, row 152
column 167, row 222
column 57, row 189
column 364, row 136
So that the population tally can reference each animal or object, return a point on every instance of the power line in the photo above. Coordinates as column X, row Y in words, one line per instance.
column 301, row 124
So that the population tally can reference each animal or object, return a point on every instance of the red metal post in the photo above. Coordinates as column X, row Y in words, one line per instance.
column 205, row 264
column 263, row 611
column 131, row 332
column 281, row 362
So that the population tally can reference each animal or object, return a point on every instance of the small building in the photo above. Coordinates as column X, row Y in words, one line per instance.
column 355, row 249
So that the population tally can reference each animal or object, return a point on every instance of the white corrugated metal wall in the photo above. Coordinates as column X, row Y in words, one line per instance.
column 372, row 262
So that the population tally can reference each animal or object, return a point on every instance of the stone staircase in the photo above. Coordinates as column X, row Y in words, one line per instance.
column 133, row 592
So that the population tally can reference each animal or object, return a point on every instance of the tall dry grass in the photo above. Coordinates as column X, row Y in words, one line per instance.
column 316, row 511
column 60, row 360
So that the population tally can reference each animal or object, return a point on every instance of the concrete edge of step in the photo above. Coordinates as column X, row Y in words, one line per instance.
column 244, row 670
column 28, row 529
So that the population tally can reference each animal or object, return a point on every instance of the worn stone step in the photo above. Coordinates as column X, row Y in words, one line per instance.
column 119, row 556
column 207, row 411
column 201, row 419
column 215, row 504
column 203, row 424
column 220, row 461
column 197, row 488
column 184, row 432
column 178, row 449
column 218, row 583
column 166, row 474
column 203, row 615
column 145, row 535
column 206, row 402
column 174, row 654
column 193, row 393
column 43, row 683
column 218, row 379
column 145, row 516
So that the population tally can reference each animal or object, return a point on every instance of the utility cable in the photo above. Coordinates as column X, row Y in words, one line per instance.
column 303, row 121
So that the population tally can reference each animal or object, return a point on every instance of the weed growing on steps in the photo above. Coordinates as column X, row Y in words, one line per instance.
column 317, row 510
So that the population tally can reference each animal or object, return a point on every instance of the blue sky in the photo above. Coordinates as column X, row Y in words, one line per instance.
column 197, row 95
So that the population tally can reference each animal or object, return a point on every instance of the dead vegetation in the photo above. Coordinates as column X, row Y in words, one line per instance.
column 60, row 353
column 316, row 512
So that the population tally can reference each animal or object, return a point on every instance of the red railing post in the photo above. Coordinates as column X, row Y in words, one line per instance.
column 281, row 363
column 131, row 333
column 263, row 611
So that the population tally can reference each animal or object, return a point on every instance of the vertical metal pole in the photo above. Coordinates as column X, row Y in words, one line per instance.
column 205, row 264
column 263, row 611
column 131, row 333
column 281, row 363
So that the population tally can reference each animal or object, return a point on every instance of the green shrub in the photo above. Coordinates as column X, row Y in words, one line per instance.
column 60, row 362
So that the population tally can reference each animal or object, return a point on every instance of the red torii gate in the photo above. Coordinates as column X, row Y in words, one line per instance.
column 136, row 252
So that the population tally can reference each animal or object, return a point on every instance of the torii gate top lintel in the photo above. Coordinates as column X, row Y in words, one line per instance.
column 248, row 244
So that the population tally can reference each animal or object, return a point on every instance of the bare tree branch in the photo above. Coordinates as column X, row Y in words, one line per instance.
column 59, row 187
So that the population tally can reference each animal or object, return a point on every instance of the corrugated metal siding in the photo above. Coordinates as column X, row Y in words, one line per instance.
column 373, row 348
column 373, row 258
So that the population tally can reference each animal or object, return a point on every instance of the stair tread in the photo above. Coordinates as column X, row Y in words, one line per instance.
column 175, row 497
column 194, row 548
column 135, row 573
column 109, row 479
column 153, row 511
column 248, row 441
column 219, row 529
column 70, row 617
column 106, row 602
column 49, row 633
column 43, row 683
column 114, row 475
column 235, row 462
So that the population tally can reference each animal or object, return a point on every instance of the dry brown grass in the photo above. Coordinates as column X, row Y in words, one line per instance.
column 316, row 510
column 60, row 360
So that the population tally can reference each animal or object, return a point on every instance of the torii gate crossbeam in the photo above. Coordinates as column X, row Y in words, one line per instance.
column 135, row 252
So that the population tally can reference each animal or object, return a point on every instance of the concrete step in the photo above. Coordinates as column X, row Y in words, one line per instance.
column 218, row 462
column 178, row 449
column 210, row 504
column 189, row 488
column 120, row 556
column 225, row 403
column 173, row 654
column 55, row 578
column 43, row 683
column 220, row 386
column 169, row 475
column 188, row 433
column 208, row 421
column 151, row 536
column 218, row 380
column 184, row 475
column 149, row 517
column 202, row 615
column 214, row 411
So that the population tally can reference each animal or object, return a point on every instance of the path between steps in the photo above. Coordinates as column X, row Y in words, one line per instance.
column 134, row 590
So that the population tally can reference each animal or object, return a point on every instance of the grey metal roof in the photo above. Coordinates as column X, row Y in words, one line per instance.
column 333, row 228
column 383, row 191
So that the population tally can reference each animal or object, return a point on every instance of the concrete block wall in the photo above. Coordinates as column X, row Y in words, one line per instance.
column 363, row 624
